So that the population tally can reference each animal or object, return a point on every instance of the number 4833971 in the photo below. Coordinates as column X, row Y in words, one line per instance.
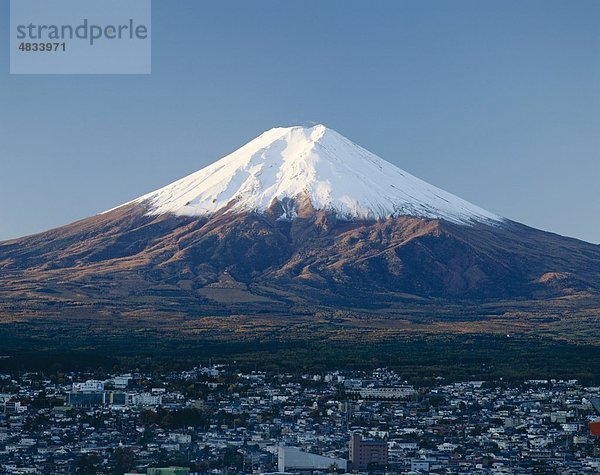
column 42, row 47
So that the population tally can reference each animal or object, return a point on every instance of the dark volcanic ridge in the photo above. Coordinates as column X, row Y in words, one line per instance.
column 229, row 259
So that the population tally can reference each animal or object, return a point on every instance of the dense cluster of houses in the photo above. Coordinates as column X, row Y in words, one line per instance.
column 222, row 420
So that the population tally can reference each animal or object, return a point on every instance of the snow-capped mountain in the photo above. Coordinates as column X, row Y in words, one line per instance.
column 289, row 165
column 279, row 225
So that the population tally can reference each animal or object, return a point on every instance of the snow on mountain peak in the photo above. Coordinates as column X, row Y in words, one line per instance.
column 315, row 162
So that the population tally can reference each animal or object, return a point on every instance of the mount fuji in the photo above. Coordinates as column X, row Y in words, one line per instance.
column 315, row 165
column 298, row 219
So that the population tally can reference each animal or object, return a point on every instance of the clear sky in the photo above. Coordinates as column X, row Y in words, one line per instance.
column 497, row 101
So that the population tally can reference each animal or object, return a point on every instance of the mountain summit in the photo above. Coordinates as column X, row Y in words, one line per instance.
column 286, row 169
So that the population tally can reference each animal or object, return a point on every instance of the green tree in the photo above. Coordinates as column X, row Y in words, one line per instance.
column 123, row 460
column 88, row 464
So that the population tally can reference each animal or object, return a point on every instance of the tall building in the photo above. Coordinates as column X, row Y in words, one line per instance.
column 365, row 453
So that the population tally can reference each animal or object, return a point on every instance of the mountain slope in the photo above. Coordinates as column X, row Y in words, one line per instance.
column 316, row 259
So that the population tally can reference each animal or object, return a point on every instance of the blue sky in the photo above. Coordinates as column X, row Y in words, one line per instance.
column 495, row 101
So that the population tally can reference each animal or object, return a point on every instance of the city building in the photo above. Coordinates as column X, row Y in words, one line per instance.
column 367, row 453
column 292, row 459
